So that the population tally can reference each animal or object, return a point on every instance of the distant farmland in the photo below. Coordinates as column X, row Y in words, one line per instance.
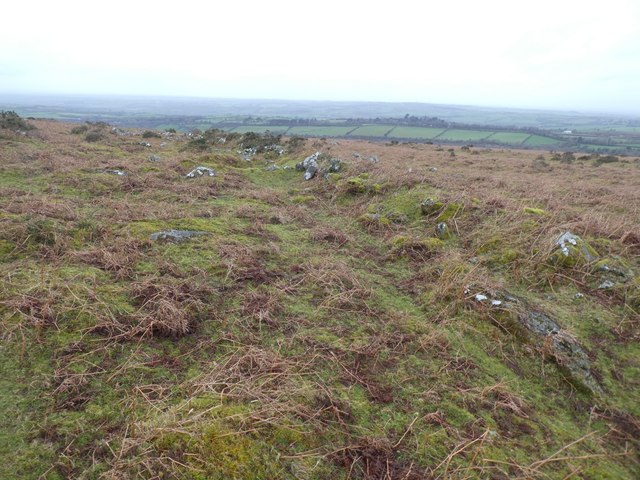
column 420, row 133
column 603, row 142
column 403, row 132
column 321, row 131
column 464, row 135
column 277, row 129
column 512, row 138
column 539, row 141
column 372, row 131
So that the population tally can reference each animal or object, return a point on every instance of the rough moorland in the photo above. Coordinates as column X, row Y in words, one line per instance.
column 191, row 307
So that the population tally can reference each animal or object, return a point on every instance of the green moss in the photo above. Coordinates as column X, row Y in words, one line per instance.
column 504, row 257
column 534, row 211
column 431, row 206
column 432, row 244
column 299, row 199
column 398, row 241
column 356, row 185
column 361, row 185
column 6, row 247
column 429, row 246
column 450, row 211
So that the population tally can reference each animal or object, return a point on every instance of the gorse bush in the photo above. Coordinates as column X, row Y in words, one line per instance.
column 79, row 129
column 93, row 136
column 12, row 121
column 150, row 134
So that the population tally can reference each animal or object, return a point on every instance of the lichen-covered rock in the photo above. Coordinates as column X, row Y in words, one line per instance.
column 443, row 232
column 537, row 328
column 154, row 158
column 571, row 357
column 310, row 172
column 335, row 165
column 613, row 267
column 572, row 251
column 201, row 172
column 309, row 166
column 431, row 206
column 606, row 285
column 176, row 235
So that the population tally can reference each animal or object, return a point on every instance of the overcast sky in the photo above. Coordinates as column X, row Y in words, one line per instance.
column 564, row 54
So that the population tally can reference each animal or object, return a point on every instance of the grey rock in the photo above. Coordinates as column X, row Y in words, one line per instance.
column 309, row 161
column 309, row 166
column 615, row 268
column 483, row 298
column 248, row 153
column 606, row 285
column 116, row 171
column 539, row 323
column 565, row 350
column 272, row 168
column 373, row 159
column 201, row 171
column 310, row 172
column 430, row 206
column 154, row 158
column 541, row 330
column 175, row 235
column 335, row 165
column 443, row 232
column 278, row 149
column 568, row 240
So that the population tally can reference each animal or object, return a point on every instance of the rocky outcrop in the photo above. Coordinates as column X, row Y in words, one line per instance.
column 201, row 172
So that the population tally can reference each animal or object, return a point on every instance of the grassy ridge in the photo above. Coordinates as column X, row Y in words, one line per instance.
column 316, row 329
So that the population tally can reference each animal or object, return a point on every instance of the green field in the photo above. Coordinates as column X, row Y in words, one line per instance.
column 320, row 131
column 464, row 135
column 261, row 128
column 512, row 138
column 539, row 141
column 421, row 133
column 371, row 131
